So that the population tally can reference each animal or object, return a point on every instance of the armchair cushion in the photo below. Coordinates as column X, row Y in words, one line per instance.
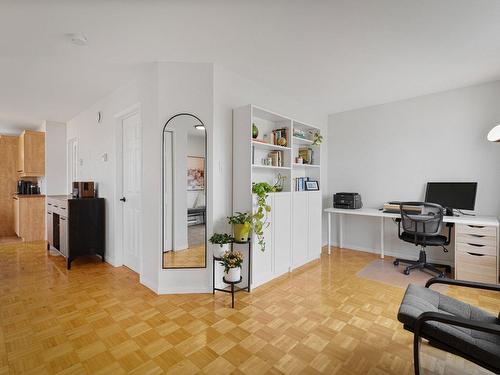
column 480, row 345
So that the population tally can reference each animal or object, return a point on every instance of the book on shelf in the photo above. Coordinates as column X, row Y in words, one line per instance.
column 300, row 183
column 279, row 133
column 276, row 158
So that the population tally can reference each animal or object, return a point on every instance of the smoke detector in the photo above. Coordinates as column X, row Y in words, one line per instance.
column 78, row 39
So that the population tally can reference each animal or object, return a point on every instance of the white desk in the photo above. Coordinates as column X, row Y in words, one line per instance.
column 375, row 212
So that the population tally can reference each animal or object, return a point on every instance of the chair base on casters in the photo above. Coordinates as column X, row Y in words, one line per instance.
column 420, row 264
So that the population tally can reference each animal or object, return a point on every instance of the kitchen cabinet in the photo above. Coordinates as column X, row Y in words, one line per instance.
column 76, row 226
column 31, row 154
column 29, row 217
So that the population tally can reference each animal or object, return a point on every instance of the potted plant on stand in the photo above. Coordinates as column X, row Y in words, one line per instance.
column 220, row 242
column 242, row 223
column 232, row 262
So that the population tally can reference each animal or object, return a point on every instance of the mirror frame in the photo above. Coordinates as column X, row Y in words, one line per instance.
column 163, row 265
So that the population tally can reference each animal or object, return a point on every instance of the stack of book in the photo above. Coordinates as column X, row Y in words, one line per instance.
column 300, row 183
column 276, row 158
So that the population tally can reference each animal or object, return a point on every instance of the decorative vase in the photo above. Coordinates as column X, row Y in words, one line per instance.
column 241, row 232
column 255, row 131
column 234, row 274
column 219, row 250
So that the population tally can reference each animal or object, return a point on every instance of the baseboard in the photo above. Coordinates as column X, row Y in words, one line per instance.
column 112, row 261
column 182, row 290
column 393, row 253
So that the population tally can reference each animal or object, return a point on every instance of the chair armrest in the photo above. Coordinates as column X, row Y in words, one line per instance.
column 467, row 284
column 454, row 321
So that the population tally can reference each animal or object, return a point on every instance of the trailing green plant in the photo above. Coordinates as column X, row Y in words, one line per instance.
column 317, row 139
column 240, row 218
column 259, row 218
column 221, row 239
column 231, row 259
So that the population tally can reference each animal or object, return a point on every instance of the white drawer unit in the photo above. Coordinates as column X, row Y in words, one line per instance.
column 476, row 253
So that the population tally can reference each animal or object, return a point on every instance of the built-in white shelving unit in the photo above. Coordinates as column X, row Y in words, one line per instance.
column 293, row 236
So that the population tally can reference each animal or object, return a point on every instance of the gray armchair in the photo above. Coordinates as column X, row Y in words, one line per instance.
column 451, row 325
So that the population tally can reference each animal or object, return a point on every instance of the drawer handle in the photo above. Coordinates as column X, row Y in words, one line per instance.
column 475, row 244
column 476, row 254
column 477, row 235
column 61, row 218
column 476, row 226
column 62, row 208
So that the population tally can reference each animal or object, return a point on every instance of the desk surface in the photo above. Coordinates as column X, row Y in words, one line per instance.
column 468, row 220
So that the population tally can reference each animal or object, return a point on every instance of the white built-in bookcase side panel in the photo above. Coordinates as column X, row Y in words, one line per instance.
column 293, row 236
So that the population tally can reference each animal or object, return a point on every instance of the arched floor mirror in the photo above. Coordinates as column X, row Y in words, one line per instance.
column 184, row 228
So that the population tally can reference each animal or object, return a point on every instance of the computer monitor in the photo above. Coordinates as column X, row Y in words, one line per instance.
column 452, row 195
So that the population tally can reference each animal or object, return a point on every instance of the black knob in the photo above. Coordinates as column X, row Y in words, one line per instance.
column 123, row 199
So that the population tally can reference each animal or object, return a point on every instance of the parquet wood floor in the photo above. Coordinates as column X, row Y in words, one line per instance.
column 96, row 319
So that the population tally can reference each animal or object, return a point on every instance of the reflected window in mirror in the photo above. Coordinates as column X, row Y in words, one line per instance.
column 184, row 193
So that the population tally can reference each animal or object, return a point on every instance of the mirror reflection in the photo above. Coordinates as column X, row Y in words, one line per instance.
column 184, row 193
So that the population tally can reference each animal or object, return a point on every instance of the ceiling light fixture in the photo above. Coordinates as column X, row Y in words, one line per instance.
column 494, row 134
column 79, row 39
column 199, row 127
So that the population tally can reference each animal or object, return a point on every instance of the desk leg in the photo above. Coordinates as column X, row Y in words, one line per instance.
column 382, row 231
column 341, row 242
column 329, row 233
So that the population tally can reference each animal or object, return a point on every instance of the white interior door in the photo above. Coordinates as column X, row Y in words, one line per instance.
column 131, row 200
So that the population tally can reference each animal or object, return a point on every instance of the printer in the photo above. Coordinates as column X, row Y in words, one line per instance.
column 347, row 200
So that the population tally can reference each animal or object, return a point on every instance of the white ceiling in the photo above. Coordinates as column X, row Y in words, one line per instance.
column 335, row 55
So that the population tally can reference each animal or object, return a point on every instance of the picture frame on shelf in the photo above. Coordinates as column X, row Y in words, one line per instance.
column 312, row 185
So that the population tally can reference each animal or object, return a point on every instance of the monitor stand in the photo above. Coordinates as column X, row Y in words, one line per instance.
column 448, row 212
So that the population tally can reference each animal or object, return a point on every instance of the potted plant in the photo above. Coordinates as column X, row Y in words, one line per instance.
column 242, row 223
column 221, row 243
column 317, row 139
column 259, row 218
column 232, row 261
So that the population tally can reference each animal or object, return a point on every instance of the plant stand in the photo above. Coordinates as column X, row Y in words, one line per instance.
column 233, row 289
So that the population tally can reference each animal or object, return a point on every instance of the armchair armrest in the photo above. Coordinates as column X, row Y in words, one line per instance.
column 454, row 321
column 467, row 284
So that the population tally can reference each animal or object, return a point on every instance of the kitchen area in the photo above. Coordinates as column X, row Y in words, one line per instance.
column 22, row 206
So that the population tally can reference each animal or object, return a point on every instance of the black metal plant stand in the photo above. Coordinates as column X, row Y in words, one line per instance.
column 233, row 288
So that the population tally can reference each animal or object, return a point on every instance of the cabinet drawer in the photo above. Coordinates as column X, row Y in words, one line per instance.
column 478, row 267
column 477, row 249
column 476, row 230
column 476, row 239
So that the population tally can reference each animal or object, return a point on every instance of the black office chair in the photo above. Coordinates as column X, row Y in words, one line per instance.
column 422, row 229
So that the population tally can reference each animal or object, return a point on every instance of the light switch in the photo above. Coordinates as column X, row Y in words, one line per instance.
column 104, row 157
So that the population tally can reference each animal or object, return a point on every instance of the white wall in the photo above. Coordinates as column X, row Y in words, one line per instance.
column 389, row 152
column 54, row 182
column 96, row 139
column 188, row 88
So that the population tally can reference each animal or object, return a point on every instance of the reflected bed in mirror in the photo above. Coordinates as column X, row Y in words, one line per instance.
column 184, row 192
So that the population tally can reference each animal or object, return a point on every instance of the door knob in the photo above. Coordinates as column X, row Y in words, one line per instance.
column 123, row 199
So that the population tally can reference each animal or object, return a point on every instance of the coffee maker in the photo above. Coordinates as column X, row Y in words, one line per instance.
column 27, row 187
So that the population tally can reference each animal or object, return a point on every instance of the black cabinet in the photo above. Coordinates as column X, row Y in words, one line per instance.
column 76, row 226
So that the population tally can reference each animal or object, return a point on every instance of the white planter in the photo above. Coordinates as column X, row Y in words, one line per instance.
column 234, row 274
column 219, row 250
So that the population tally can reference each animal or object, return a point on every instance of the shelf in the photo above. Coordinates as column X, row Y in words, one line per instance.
column 297, row 165
column 302, row 141
column 269, row 167
column 269, row 146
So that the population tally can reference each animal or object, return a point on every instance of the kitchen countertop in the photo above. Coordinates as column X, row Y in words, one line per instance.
column 29, row 195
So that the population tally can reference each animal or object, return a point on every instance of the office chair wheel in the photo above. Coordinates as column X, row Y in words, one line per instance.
column 441, row 275
column 396, row 262
column 406, row 271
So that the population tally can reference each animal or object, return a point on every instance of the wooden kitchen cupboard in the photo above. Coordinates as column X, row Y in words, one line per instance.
column 31, row 154
column 29, row 217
